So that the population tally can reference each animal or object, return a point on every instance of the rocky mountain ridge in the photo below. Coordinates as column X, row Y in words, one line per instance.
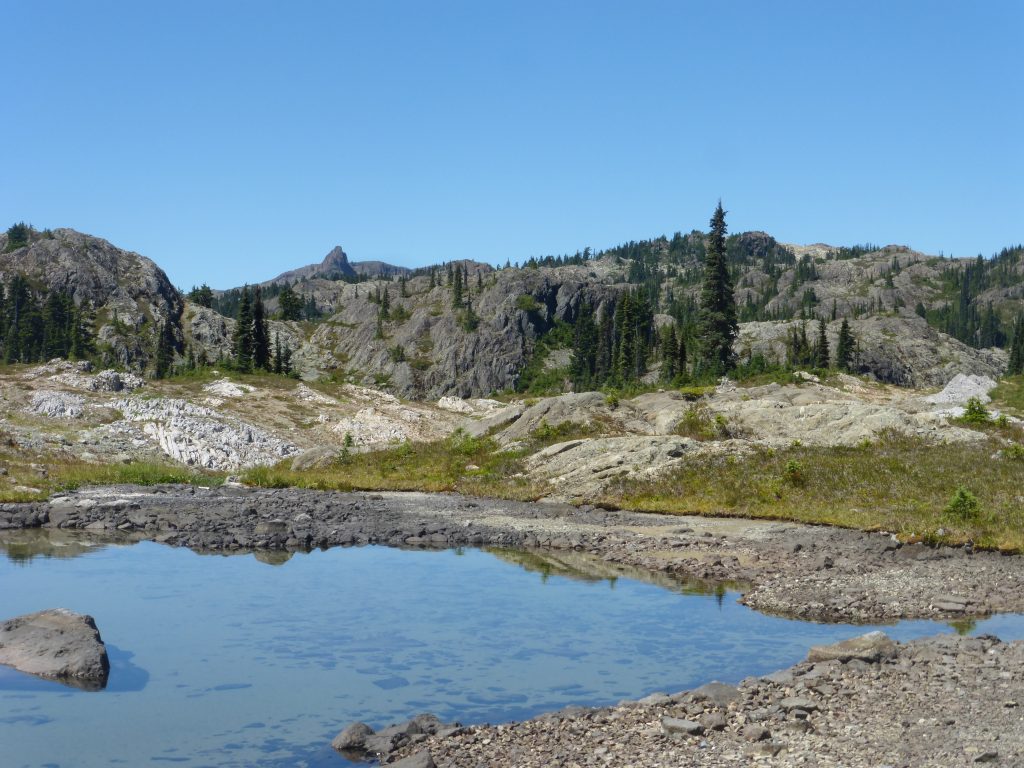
column 424, row 344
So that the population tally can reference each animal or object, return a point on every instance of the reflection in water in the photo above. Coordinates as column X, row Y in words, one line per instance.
column 232, row 663
column 582, row 566
column 22, row 546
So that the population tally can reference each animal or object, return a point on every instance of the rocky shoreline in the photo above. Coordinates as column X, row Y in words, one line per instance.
column 945, row 700
column 810, row 572
column 938, row 702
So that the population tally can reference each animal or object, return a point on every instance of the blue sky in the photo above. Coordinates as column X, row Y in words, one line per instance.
column 231, row 140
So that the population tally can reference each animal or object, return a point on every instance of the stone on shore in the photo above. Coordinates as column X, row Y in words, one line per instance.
column 353, row 737
column 870, row 648
column 419, row 760
column 58, row 644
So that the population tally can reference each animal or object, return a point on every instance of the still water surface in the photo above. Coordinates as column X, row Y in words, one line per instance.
column 233, row 661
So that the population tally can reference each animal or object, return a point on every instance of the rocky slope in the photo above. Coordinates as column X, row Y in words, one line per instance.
column 64, row 410
column 424, row 347
column 131, row 295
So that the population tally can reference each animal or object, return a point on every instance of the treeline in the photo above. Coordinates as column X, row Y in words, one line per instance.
column 617, row 344
column 36, row 326
column 251, row 344
column 967, row 318
column 291, row 305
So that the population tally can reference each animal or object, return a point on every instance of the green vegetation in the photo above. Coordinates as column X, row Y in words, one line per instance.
column 38, row 325
column 717, row 322
column 18, row 236
column 974, row 413
column 459, row 463
column 964, row 505
column 898, row 484
column 526, row 303
column 48, row 474
column 1009, row 395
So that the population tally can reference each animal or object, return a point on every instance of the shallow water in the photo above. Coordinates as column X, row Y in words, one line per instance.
column 231, row 661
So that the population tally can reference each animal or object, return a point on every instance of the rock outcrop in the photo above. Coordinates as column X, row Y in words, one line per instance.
column 131, row 294
column 58, row 644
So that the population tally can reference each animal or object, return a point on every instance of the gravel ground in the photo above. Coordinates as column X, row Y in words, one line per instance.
column 811, row 572
column 944, row 701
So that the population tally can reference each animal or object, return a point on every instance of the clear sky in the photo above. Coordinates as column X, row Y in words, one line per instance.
column 230, row 140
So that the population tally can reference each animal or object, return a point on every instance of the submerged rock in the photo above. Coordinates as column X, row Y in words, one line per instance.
column 58, row 644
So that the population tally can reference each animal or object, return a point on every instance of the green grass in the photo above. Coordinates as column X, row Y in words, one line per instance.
column 50, row 474
column 898, row 484
column 459, row 463
column 1009, row 395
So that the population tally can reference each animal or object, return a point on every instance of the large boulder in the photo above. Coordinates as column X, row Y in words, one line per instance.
column 58, row 644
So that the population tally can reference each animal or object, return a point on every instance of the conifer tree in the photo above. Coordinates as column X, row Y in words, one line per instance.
column 669, row 353
column 260, row 333
column 243, row 341
column 165, row 350
column 1016, row 365
column 289, row 304
column 821, row 351
column 681, row 357
column 385, row 305
column 278, row 360
column 844, row 347
column 584, row 350
column 716, row 323
column 457, row 288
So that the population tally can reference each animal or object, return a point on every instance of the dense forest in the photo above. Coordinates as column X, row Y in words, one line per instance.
column 36, row 325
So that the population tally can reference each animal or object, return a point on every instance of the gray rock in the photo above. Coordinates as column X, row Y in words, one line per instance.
column 798, row 703
column 58, row 644
column 755, row 732
column 676, row 727
column 352, row 737
column 719, row 694
column 315, row 458
column 713, row 721
column 419, row 760
column 868, row 648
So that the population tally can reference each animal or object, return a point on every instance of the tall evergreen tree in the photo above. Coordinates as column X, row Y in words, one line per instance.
column 260, row 333
column 243, row 341
column 845, row 347
column 278, row 360
column 717, row 326
column 165, row 350
column 584, row 350
column 289, row 304
column 821, row 351
column 1016, row 365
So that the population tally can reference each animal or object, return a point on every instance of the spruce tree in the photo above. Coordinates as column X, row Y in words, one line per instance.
column 278, row 366
column 669, row 353
column 456, row 282
column 1016, row 365
column 584, row 350
column 260, row 333
column 844, row 347
column 821, row 351
column 165, row 350
column 717, row 326
column 243, row 341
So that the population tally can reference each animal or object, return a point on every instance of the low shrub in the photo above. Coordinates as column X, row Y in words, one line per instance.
column 963, row 505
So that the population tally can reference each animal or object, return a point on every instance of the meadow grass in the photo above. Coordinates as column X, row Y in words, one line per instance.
column 903, row 485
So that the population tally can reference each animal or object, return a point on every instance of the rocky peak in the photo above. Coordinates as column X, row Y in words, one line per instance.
column 336, row 262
